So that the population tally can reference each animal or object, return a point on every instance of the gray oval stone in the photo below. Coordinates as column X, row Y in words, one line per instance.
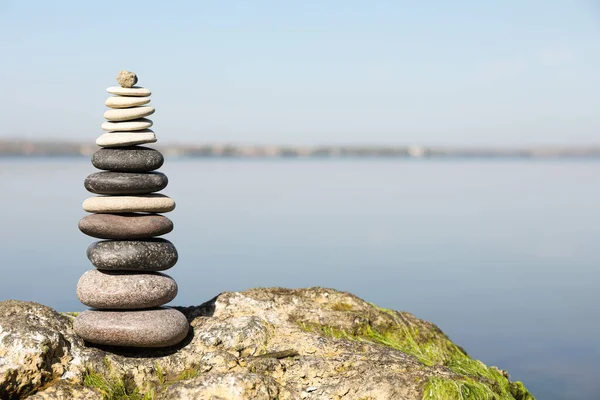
column 117, row 183
column 125, row 226
column 125, row 290
column 128, row 159
column 133, row 255
column 160, row 327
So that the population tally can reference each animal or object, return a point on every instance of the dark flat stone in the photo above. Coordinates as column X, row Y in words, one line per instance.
column 125, row 183
column 133, row 255
column 128, row 159
column 160, row 327
column 125, row 226
column 125, row 290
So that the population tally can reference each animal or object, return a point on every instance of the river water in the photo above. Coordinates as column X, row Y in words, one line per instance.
column 503, row 255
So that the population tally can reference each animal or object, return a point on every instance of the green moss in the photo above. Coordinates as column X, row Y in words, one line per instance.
column 400, row 337
column 519, row 392
column 114, row 388
column 186, row 374
column 160, row 373
column 341, row 307
column 431, row 347
column 448, row 389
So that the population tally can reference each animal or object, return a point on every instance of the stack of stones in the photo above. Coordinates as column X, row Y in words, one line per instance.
column 125, row 290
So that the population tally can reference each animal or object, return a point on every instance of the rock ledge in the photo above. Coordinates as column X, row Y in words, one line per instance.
column 261, row 344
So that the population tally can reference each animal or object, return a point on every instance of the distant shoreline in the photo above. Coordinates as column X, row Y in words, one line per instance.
column 15, row 148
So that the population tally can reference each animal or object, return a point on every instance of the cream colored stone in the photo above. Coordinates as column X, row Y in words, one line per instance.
column 127, row 114
column 154, row 203
column 127, row 126
column 121, row 139
column 125, row 101
column 134, row 91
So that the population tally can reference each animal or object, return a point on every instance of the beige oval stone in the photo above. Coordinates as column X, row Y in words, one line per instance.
column 125, row 101
column 127, row 126
column 158, row 327
column 121, row 139
column 125, row 290
column 152, row 203
column 134, row 91
column 126, row 114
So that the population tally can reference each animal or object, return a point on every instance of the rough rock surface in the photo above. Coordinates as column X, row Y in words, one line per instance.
column 126, row 78
column 259, row 344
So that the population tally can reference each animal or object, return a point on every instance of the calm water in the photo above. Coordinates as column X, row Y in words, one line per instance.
column 502, row 255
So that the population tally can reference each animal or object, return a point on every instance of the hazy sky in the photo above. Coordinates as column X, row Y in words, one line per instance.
column 472, row 72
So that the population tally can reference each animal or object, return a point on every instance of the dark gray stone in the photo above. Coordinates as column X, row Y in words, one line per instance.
column 125, row 290
column 133, row 255
column 160, row 327
column 125, row 183
column 125, row 226
column 128, row 159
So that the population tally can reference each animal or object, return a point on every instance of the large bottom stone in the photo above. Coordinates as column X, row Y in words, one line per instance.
column 123, row 290
column 160, row 327
column 133, row 255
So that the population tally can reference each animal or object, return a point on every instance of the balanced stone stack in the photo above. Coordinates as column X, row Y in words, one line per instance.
column 125, row 290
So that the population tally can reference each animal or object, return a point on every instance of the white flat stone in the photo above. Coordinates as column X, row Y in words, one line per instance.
column 127, row 114
column 153, row 203
column 121, row 139
column 134, row 91
column 127, row 126
column 125, row 102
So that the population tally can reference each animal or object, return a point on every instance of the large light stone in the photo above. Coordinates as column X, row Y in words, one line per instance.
column 124, row 290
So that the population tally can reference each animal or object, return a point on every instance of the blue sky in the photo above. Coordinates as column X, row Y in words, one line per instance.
column 511, row 72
